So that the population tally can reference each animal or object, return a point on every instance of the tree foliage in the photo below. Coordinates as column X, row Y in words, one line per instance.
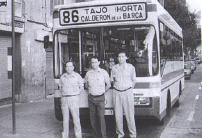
column 187, row 20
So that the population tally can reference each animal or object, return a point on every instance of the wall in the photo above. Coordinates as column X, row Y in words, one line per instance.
column 5, row 43
column 33, row 62
column 33, row 65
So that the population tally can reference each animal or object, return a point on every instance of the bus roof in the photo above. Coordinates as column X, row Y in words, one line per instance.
column 168, row 20
column 100, row 2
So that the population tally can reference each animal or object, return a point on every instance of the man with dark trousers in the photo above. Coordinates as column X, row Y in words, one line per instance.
column 97, row 82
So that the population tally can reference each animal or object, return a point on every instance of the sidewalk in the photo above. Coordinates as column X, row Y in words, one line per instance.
column 196, row 124
column 33, row 120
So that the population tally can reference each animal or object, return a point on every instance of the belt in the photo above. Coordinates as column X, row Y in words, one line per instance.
column 122, row 90
column 70, row 95
column 94, row 96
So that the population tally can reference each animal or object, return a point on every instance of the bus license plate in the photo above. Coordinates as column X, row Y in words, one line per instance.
column 109, row 112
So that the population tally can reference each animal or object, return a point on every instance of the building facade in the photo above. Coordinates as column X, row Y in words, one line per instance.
column 5, row 45
column 38, row 24
column 32, row 62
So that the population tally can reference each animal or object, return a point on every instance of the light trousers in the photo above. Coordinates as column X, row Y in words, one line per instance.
column 124, row 103
column 71, row 105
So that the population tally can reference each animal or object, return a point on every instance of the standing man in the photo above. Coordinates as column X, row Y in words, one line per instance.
column 71, row 84
column 97, row 82
column 123, row 77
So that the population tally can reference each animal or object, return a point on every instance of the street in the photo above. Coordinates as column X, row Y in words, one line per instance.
column 183, row 122
column 37, row 119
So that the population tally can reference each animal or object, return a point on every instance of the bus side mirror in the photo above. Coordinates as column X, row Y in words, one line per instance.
column 46, row 41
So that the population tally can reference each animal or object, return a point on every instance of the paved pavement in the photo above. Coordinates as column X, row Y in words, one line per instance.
column 37, row 120
column 196, row 124
column 33, row 120
column 187, row 122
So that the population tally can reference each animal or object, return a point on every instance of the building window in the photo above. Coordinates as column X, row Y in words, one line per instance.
column 18, row 8
column 58, row 2
column 54, row 3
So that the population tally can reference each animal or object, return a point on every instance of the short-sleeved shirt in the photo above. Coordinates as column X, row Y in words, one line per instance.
column 71, row 84
column 96, row 80
column 123, row 76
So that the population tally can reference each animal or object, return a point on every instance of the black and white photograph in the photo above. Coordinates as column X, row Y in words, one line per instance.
column 100, row 69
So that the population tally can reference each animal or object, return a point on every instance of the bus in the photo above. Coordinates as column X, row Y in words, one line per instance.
column 153, row 41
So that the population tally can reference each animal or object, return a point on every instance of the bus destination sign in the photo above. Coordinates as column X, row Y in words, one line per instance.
column 103, row 14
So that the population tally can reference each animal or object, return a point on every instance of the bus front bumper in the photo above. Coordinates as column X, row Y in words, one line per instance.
column 149, row 111
column 141, row 111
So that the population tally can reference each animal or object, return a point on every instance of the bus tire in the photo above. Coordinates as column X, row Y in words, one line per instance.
column 180, row 89
column 177, row 104
column 168, row 107
column 161, row 122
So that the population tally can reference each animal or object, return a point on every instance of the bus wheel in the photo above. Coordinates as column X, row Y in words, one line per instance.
column 161, row 122
column 180, row 89
column 168, row 108
column 177, row 104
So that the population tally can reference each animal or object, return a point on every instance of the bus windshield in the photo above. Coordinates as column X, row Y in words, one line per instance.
column 79, row 45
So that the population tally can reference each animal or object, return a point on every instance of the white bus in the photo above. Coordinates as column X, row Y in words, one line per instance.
column 151, row 37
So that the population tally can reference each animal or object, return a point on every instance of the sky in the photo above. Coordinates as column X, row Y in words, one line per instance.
column 194, row 5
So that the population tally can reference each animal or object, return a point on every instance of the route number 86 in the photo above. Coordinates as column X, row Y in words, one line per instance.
column 70, row 16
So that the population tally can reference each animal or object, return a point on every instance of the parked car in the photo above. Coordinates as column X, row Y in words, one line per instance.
column 198, row 60
column 187, row 70
column 193, row 64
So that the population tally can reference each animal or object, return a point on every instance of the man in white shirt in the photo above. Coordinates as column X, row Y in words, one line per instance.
column 123, row 77
column 71, row 84
column 97, row 82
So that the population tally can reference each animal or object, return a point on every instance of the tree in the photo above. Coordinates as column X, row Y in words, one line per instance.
column 187, row 20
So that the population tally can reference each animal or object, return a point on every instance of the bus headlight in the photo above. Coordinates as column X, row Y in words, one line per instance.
column 145, row 101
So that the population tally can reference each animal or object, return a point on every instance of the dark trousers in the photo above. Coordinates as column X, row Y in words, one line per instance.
column 97, row 119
